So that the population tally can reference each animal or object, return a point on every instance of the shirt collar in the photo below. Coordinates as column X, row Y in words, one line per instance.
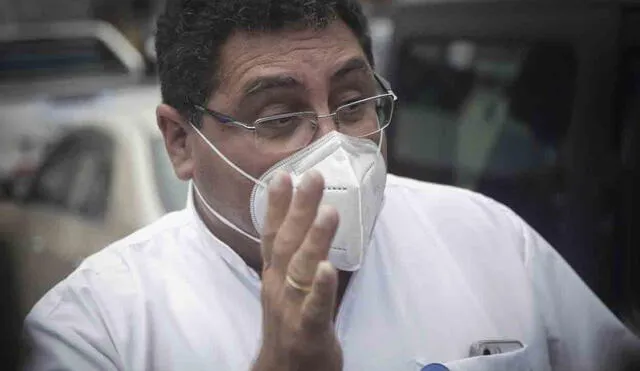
column 210, row 241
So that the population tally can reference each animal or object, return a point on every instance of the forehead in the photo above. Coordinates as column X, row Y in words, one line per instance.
column 300, row 53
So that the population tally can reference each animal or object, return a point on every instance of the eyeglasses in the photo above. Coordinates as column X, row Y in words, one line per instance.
column 293, row 131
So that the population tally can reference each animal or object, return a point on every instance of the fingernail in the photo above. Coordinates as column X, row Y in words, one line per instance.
column 310, row 177
column 326, row 214
column 278, row 181
column 325, row 265
column 324, row 271
column 306, row 181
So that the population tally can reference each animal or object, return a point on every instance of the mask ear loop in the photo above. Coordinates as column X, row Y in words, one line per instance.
column 225, row 159
column 380, row 140
column 224, row 220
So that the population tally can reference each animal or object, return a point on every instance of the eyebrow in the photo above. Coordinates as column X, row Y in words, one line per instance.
column 262, row 84
column 352, row 65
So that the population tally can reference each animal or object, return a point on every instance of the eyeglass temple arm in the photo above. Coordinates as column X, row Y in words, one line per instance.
column 224, row 119
column 385, row 84
column 219, row 116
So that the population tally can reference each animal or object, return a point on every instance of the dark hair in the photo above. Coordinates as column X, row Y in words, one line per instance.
column 190, row 35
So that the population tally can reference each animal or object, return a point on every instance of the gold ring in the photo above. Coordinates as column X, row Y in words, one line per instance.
column 303, row 288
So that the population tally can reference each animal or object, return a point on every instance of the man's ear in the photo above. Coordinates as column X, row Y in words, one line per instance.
column 174, row 130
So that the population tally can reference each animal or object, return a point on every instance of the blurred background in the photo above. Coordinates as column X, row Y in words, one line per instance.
column 533, row 103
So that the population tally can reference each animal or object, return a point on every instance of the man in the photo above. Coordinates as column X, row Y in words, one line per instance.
column 261, row 97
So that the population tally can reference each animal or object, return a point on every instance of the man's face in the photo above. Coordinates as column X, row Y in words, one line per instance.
column 264, row 75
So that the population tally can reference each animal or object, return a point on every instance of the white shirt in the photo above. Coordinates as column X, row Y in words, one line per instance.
column 446, row 268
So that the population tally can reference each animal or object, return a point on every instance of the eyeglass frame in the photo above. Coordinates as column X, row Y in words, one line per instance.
column 228, row 120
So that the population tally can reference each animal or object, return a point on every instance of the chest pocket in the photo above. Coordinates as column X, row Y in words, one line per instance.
column 511, row 361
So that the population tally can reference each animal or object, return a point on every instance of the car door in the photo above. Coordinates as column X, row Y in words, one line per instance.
column 64, row 211
column 514, row 100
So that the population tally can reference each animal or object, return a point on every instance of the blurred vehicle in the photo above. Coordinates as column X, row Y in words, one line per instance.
column 106, row 175
column 535, row 104
column 43, row 63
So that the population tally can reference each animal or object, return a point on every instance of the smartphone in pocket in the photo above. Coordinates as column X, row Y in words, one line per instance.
column 491, row 347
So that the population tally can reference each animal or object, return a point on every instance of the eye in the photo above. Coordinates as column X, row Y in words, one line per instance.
column 275, row 107
column 278, row 126
column 354, row 107
column 354, row 112
column 283, row 121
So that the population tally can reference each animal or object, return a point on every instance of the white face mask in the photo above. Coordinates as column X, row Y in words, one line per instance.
column 354, row 173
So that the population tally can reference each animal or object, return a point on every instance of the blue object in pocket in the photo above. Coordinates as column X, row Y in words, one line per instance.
column 435, row 367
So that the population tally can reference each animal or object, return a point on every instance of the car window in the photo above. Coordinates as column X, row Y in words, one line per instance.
column 172, row 191
column 51, row 184
column 89, row 189
column 488, row 116
column 29, row 59
column 76, row 176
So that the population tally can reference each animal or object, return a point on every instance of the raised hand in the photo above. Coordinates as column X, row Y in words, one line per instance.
column 298, row 284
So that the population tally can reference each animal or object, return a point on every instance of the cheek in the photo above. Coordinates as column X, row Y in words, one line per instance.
column 223, row 184
column 250, row 160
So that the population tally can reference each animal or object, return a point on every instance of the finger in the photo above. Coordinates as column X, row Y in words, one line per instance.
column 314, row 249
column 302, row 212
column 319, row 306
column 279, row 199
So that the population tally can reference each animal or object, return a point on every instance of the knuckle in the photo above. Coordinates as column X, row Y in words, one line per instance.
column 287, row 238
column 276, row 316
column 292, row 328
column 279, row 254
column 315, row 248
column 302, row 270
column 268, row 282
column 302, row 348
column 301, row 215
column 310, row 321
column 268, row 296
column 293, row 344
column 300, row 273
column 314, row 256
column 300, row 343
column 305, row 345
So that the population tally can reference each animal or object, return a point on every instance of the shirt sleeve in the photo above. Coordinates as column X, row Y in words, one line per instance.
column 65, row 331
column 582, row 333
